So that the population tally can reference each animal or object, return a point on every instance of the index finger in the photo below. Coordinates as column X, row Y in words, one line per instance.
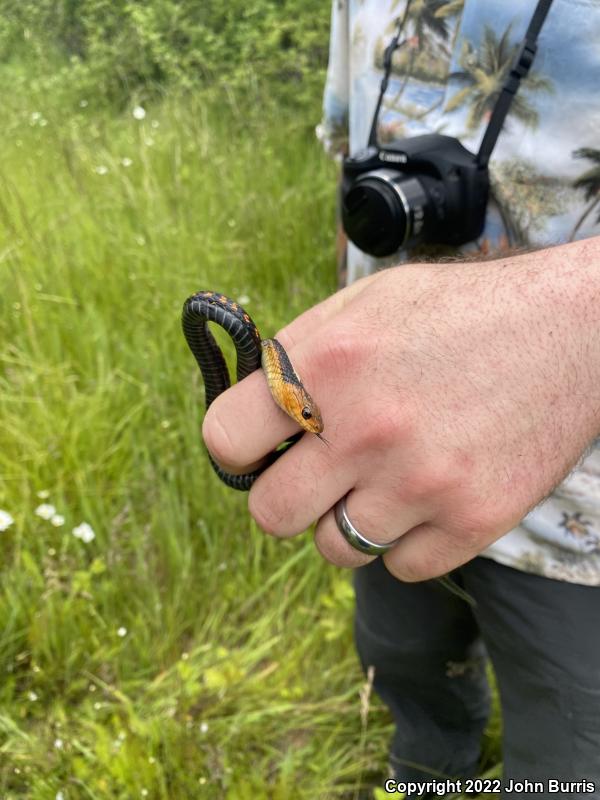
column 243, row 424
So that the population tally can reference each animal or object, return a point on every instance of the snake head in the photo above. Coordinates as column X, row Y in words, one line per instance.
column 287, row 389
column 303, row 409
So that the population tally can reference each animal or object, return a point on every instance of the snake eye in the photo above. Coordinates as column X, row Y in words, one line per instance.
column 306, row 412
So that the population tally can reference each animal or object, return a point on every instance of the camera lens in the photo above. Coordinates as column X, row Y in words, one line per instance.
column 384, row 210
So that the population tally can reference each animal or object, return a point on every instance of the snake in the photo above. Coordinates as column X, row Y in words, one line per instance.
column 252, row 352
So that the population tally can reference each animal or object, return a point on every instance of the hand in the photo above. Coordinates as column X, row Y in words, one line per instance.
column 455, row 398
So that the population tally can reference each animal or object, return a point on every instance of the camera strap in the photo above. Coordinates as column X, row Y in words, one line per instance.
column 395, row 44
column 520, row 68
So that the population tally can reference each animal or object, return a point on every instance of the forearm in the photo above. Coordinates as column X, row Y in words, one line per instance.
column 560, row 288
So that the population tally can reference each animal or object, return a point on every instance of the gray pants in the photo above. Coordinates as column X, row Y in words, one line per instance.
column 429, row 647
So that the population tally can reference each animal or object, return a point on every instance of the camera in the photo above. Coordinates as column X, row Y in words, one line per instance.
column 427, row 189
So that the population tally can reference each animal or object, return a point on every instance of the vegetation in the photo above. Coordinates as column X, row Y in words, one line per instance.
column 153, row 643
column 115, row 49
column 589, row 183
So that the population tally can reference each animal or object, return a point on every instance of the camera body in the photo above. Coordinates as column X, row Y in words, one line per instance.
column 423, row 189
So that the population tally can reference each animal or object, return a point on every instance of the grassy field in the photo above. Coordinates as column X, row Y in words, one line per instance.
column 168, row 650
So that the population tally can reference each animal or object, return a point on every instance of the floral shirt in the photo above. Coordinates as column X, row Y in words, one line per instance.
column 544, row 171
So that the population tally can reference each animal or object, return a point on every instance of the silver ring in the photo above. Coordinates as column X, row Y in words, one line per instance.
column 353, row 536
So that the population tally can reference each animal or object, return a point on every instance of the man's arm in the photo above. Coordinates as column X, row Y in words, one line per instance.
column 455, row 397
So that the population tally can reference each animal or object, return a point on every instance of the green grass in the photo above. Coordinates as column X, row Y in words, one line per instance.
column 236, row 675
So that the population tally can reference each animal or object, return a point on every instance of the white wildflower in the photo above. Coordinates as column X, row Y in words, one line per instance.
column 83, row 103
column 243, row 299
column 155, row 123
column 45, row 511
column 204, row 727
column 57, row 520
column 139, row 112
column 122, row 632
column 59, row 796
column 101, row 169
column 43, row 494
column 32, row 696
column 84, row 532
column 126, row 162
column 36, row 116
column 58, row 744
column 6, row 520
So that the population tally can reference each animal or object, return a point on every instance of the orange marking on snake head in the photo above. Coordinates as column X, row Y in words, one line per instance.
column 301, row 407
column 246, row 318
column 290, row 396
column 234, row 306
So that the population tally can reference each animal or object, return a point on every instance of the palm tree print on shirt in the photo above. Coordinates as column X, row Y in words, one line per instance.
column 427, row 18
column 589, row 182
column 426, row 24
column 429, row 36
column 484, row 71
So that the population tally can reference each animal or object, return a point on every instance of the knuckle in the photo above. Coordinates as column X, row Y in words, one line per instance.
column 339, row 352
column 427, row 485
column 383, row 426
column 388, row 427
column 431, row 484
column 444, row 478
column 476, row 526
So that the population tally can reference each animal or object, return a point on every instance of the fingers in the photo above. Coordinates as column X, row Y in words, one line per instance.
column 429, row 551
column 300, row 487
column 378, row 520
column 244, row 424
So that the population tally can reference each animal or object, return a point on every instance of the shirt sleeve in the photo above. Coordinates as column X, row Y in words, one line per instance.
column 332, row 132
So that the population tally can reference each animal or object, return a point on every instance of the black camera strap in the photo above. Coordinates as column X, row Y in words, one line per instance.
column 389, row 51
column 520, row 68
